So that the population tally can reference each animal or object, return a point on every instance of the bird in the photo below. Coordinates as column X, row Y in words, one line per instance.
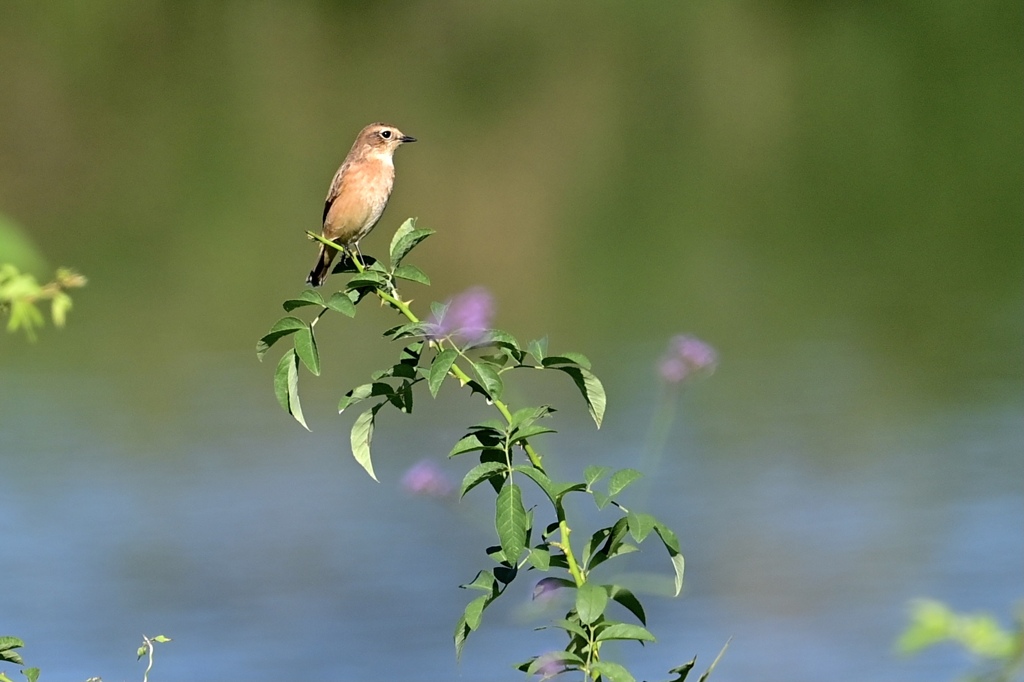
column 358, row 193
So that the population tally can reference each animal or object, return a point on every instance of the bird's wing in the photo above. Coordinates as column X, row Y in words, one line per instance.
column 334, row 190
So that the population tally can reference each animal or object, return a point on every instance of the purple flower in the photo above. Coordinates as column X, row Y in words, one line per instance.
column 467, row 317
column 685, row 357
column 550, row 664
column 426, row 478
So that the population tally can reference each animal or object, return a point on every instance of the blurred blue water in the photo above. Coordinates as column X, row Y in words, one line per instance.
column 265, row 553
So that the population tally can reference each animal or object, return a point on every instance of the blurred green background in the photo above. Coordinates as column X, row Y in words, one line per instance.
column 829, row 193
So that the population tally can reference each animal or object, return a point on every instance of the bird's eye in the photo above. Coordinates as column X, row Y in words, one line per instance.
column 386, row 134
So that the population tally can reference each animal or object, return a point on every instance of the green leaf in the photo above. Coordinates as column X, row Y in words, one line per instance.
column 475, row 609
column 591, row 601
column 343, row 303
column 714, row 663
column 31, row 674
column 542, row 480
column 510, row 522
column 640, row 525
column 439, row 368
column 489, row 378
column 405, row 240
column 529, row 432
column 683, row 670
column 591, row 388
column 540, row 558
column 528, row 415
column 412, row 273
column 571, row 627
column 600, row 499
column 625, row 631
column 286, row 386
column 621, row 479
column 592, row 474
column 368, row 279
column 671, row 542
column 538, row 348
column 8, row 642
column 362, row 434
column 283, row 327
column 483, row 581
column 7, row 650
column 628, row 599
column 480, row 473
column 307, row 297
column 305, row 347
column 612, row 672
column 567, row 359
column 361, row 393
column 472, row 442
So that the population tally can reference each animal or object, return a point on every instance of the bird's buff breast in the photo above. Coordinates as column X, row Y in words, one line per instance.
column 364, row 194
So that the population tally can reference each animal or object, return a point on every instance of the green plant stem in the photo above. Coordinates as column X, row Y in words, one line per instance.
column 535, row 457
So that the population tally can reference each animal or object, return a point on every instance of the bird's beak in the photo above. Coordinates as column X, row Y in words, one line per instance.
column 406, row 138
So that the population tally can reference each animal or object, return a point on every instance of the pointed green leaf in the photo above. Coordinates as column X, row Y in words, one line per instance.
column 489, row 378
column 483, row 581
column 528, row 415
column 567, row 359
column 591, row 388
column 342, row 302
column 361, row 436
column 529, row 432
column 571, row 626
column 683, row 670
column 471, row 443
column 671, row 542
column 305, row 347
column 629, row 600
column 625, row 631
column 405, row 240
column 621, row 479
column 591, row 600
column 600, row 499
column 538, row 348
column 361, row 393
column 439, row 369
column 714, row 663
column 286, row 386
column 480, row 473
column 592, row 474
column 475, row 610
column 542, row 480
column 640, row 525
column 307, row 297
column 368, row 279
column 283, row 327
column 412, row 273
column 612, row 672
column 540, row 558
column 510, row 522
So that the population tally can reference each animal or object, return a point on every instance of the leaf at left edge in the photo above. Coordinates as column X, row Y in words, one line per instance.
column 362, row 434
column 286, row 386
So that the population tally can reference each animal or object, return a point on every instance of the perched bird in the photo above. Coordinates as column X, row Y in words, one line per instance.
column 359, row 193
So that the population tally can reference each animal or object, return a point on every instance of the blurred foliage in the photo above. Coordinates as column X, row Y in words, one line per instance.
column 20, row 293
column 999, row 651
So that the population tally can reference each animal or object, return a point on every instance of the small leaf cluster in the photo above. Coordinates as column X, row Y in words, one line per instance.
column 20, row 294
column 504, row 450
column 9, row 654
